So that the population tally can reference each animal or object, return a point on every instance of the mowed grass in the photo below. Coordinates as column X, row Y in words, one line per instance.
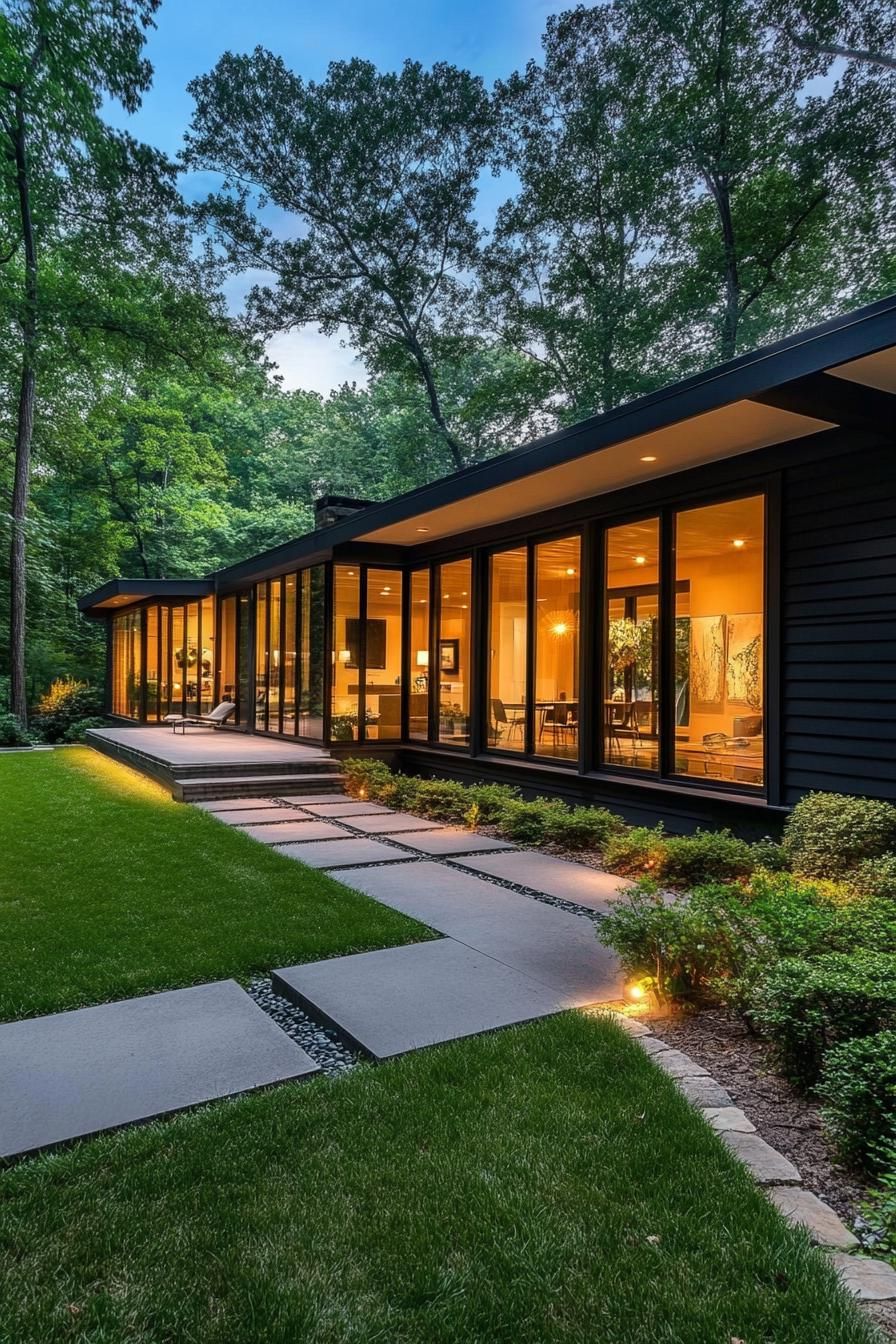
column 541, row 1184
column 108, row 889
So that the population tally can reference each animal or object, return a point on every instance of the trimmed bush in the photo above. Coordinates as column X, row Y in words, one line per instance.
column 636, row 851
column 366, row 778
column 489, row 801
column 707, row 856
column 770, row 855
column 881, row 1209
column 441, row 799
column 78, row 731
column 858, row 1090
column 673, row 944
column 12, row 734
column 876, row 878
column 529, row 823
column 830, row 834
column 805, row 1007
column 581, row 827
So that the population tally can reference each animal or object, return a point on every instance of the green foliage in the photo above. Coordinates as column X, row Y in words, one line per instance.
column 769, row 854
column 876, row 878
column 529, row 823
column 582, row 828
column 671, row 944
column 490, row 801
column 858, row 1092
column 637, row 851
column 441, row 799
column 707, row 856
column 77, row 732
column 880, row 1211
column 806, row 1007
column 64, row 704
column 829, row 834
column 12, row 734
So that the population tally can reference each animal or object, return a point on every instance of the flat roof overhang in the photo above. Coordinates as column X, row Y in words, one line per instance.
column 125, row 592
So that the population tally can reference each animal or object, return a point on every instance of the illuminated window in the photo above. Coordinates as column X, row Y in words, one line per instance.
column 719, row 642
column 127, row 664
column 631, row 702
column 275, row 605
column 261, row 656
column 558, row 568
column 312, row 653
column 152, row 663
column 453, row 652
column 345, row 653
column 418, row 674
column 289, row 653
column 383, row 655
column 507, row 626
column 206, row 661
column 227, row 651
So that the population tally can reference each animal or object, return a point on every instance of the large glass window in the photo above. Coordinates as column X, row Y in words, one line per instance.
column 206, row 667
column 418, row 672
column 261, row 656
column 127, row 664
column 313, row 645
column 631, row 702
column 507, row 658
column 165, row 662
column 152, row 663
column 453, row 652
column 179, row 657
column 558, row 571
column 346, row 647
column 719, row 642
column 275, row 604
column 383, row 658
column 289, row 653
column 244, row 667
column 227, row 650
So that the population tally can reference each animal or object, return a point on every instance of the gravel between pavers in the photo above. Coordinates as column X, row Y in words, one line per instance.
column 321, row 1043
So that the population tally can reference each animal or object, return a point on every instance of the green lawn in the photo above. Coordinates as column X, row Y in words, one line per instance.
column 108, row 888
column 541, row 1184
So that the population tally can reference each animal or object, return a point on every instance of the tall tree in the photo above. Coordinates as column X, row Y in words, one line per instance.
column 58, row 59
column 373, row 180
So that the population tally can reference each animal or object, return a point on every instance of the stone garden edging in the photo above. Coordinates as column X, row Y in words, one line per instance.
column 867, row 1279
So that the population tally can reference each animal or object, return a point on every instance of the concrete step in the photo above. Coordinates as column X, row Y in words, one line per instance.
column 256, row 786
column 315, row 766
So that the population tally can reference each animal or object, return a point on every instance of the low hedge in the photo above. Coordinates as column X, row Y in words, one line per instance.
column 858, row 1092
column 807, row 1006
column 831, row 834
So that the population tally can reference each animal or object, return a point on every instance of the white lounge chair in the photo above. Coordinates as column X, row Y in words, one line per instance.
column 219, row 715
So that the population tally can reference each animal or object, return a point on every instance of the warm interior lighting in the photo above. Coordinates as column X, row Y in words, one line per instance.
column 649, row 458
column 738, row 543
column 570, row 572
column 423, row 657
column 345, row 655
column 422, row 529
column 560, row 628
column 640, row 559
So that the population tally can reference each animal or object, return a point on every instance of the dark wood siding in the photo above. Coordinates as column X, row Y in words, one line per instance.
column 838, row 628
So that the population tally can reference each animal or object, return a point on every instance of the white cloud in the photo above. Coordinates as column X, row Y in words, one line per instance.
column 317, row 363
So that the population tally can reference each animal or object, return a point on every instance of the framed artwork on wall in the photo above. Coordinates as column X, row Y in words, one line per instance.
column 449, row 657
column 707, row 662
column 376, row 642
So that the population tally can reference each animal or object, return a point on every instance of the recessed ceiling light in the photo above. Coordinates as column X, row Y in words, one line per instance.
column 422, row 529
column 649, row 458
column 570, row 571
column 351, row 573
column 640, row 559
column 738, row 543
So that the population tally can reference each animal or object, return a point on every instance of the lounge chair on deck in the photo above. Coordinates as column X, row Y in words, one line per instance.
column 219, row 715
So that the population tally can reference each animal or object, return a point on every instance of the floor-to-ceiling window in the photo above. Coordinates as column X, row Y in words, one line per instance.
column 507, row 649
column 455, row 583
column 289, row 653
column 631, row 702
column 206, row 665
column 719, row 642
column 313, row 647
column 558, row 580
column 127, row 664
column 179, row 658
column 227, row 688
column 346, row 653
column 383, row 633
column 152, row 664
column 261, row 656
column 418, row 673
column 274, row 654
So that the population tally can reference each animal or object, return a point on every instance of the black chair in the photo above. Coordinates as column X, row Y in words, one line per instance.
column 501, row 722
column 561, row 719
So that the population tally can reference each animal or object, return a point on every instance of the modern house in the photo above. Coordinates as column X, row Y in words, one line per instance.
column 685, row 607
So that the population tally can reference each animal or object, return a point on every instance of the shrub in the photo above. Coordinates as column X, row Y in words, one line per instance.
column 581, row 827
column 770, row 855
column 858, row 1091
column 65, row 703
column 441, row 799
column 708, row 856
column 671, row 944
column 876, row 878
column 78, row 731
column 529, row 823
column 881, row 1209
column 807, row 1006
column 829, row 834
column 489, row 801
column 366, row 778
column 12, row 734
column 639, row 850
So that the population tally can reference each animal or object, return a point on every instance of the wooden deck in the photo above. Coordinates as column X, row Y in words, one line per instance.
column 208, row 763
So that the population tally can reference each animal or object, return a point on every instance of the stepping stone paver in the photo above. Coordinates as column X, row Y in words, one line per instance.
column 347, row 808
column 703, row 1091
column 766, row 1165
column 282, row 833
column 552, row 877
column 724, row 1118
column 404, row 998
column 819, row 1219
column 450, row 840
column 235, row 805
column 77, row 1073
column 870, row 1280
column 677, row 1064
column 344, row 853
column 553, row 946
column 246, row 816
column 300, row 799
column 387, row 822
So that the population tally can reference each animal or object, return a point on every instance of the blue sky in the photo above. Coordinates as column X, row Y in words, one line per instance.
column 489, row 37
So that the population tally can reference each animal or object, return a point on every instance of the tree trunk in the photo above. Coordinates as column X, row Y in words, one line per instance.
column 18, row 572
column 435, row 405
